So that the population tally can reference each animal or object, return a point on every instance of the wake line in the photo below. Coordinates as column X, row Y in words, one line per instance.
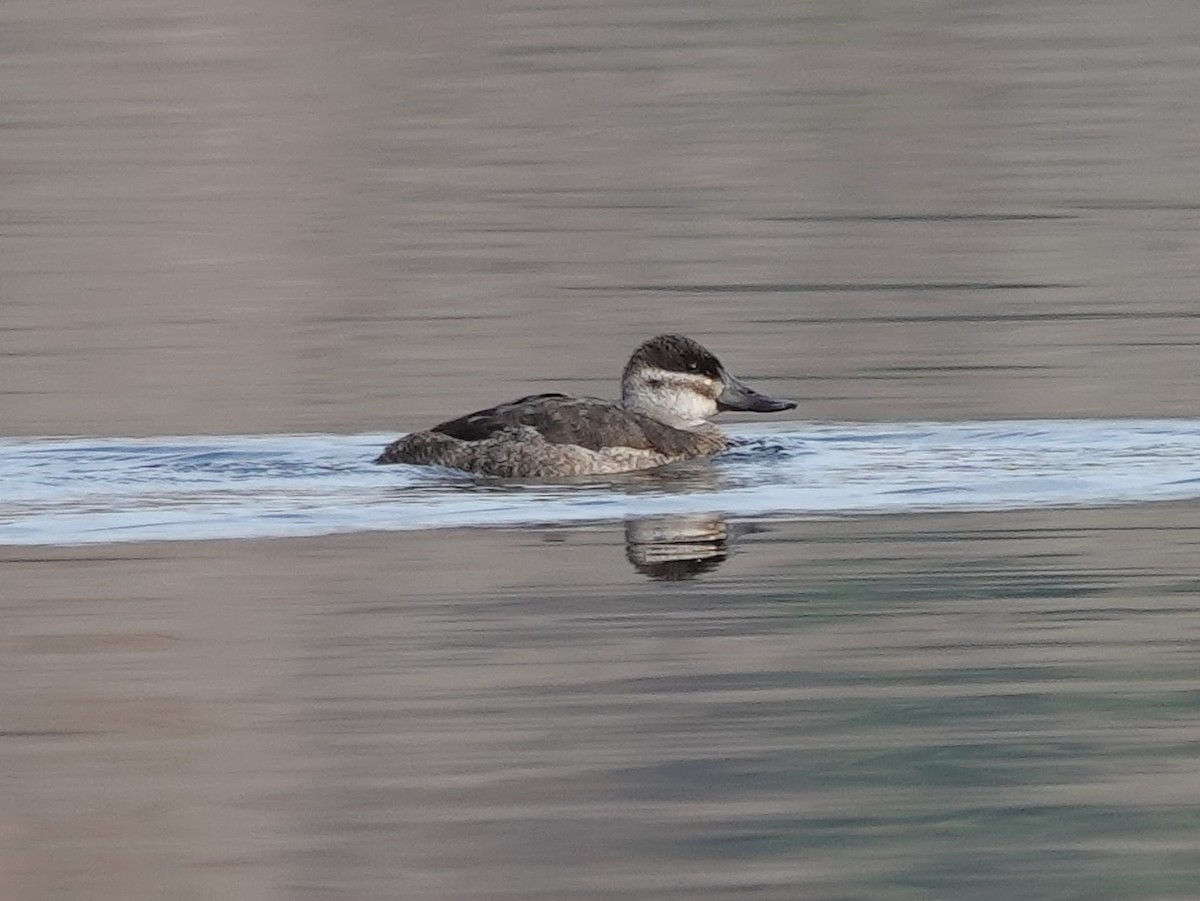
column 87, row 490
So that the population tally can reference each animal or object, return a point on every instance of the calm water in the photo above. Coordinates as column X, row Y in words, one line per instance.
column 937, row 638
column 889, row 707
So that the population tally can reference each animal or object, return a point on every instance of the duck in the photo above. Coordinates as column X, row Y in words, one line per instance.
column 670, row 389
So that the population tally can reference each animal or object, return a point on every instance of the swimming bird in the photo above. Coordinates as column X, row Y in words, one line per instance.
column 670, row 388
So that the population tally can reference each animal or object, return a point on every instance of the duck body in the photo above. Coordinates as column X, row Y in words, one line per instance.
column 669, row 389
column 549, row 435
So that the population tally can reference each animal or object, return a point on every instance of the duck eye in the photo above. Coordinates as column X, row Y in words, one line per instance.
column 654, row 383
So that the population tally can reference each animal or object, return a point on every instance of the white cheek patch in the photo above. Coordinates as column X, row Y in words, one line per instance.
column 687, row 404
column 679, row 395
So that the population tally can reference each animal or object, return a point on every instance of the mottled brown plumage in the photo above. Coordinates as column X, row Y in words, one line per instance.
column 669, row 388
column 582, row 421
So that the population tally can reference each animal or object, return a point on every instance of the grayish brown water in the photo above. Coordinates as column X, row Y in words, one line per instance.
column 264, row 217
column 949, row 706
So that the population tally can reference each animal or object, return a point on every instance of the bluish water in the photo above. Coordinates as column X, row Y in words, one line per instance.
column 77, row 491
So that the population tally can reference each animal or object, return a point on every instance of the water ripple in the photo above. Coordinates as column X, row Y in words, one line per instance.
column 77, row 491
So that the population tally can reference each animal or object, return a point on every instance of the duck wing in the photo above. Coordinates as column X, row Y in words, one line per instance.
column 561, row 419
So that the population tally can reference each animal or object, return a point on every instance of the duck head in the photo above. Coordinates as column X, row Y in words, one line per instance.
column 676, row 380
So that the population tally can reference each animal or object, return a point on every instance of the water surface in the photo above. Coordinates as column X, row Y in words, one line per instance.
column 885, row 707
column 90, row 490
column 961, row 235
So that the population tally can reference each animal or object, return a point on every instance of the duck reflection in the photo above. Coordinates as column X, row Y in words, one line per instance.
column 676, row 548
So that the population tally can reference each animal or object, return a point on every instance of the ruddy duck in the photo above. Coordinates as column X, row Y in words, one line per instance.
column 671, row 386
